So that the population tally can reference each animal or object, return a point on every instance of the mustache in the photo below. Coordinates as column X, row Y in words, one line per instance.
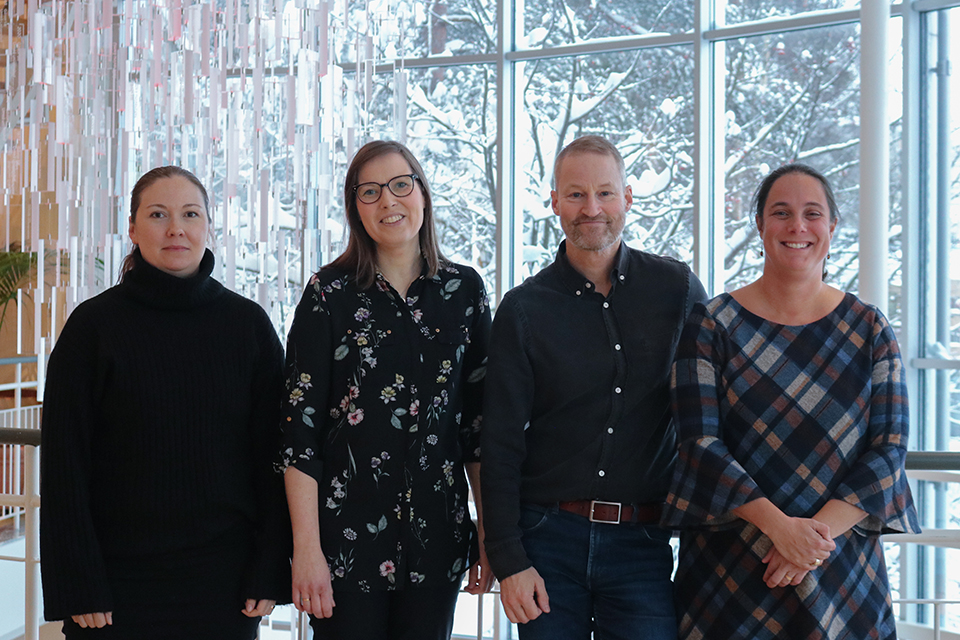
column 581, row 219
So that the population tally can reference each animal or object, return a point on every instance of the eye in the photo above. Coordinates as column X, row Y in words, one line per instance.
column 156, row 213
column 575, row 194
column 192, row 214
column 401, row 183
column 368, row 190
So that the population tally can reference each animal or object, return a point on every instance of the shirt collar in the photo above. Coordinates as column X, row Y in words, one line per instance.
column 576, row 282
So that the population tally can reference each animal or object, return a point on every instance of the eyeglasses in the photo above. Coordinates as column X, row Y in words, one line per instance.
column 400, row 186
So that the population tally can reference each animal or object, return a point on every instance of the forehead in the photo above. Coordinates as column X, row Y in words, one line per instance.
column 172, row 190
column 796, row 188
column 382, row 168
column 586, row 168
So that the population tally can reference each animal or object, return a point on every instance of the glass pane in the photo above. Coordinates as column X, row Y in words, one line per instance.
column 738, row 11
column 555, row 22
column 395, row 29
column 792, row 97
column 641, row 101
column 451, row 124
column 940, row 426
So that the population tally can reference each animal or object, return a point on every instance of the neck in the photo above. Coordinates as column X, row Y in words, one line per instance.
column 399, row 265
column 594, row 265
column 793, row 300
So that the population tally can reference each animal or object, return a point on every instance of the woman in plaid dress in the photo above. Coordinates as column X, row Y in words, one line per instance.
column 791, row 412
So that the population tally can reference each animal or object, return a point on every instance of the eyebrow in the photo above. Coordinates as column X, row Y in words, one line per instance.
column 812, row 203
column 163, row 206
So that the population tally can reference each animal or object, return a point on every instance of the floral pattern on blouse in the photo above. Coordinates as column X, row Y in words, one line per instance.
column 382, row 408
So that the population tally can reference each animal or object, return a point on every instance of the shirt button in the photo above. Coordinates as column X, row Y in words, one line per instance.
column 610, row 430
column 617, row 347
column 617, row 389
column 399, row 314
column 578, row 293
column 587, row 285
column 606, row 305
column 601, row 473
column 621, row 278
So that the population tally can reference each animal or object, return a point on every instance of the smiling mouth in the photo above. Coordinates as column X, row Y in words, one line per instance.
column 797, row 245
column 392, row 219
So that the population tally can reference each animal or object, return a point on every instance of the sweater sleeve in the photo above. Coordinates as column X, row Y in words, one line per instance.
column 708, row 482
column 269, row 576
column 877, row 483
column 508, row 406
column 73, row 569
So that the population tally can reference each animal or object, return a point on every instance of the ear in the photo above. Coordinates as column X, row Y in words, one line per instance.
column 555, row 202
column 628, row 197
column 132, row 231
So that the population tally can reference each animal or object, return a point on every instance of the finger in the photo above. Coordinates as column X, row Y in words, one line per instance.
column 515, row 614
column 249, row 606
column 543, row 600
column 326, row 605
column 109, row 617
column 80, row 621
column 99, row 620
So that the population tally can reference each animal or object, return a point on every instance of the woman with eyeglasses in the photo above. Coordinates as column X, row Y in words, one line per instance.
column 385, row 365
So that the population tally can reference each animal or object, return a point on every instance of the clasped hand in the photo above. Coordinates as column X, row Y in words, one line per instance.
column 799, row 545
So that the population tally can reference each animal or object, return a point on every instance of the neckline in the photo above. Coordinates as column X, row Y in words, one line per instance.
column 843, row 301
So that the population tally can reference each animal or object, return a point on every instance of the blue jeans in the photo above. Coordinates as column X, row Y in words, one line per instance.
column 612, row 580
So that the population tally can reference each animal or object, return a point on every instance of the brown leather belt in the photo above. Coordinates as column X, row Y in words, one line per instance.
column 614, row 512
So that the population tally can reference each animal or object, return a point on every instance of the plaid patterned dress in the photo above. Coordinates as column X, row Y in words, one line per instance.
column 800, row 415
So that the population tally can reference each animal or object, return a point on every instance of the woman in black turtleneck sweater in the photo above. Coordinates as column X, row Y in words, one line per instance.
column 161, row 516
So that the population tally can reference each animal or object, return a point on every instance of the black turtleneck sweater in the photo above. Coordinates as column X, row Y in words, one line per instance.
column 160, row 421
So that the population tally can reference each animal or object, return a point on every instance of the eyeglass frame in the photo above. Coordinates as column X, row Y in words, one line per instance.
column 413, row 178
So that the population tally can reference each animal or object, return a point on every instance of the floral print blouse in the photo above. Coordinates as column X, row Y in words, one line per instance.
column 382, row 408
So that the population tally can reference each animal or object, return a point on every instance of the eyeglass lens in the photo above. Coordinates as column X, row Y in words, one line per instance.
column 370, row 192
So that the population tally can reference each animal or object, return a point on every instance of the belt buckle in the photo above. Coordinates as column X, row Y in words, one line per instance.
column 593, row 506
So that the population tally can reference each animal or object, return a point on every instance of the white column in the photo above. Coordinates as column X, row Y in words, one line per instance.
column 874, row 153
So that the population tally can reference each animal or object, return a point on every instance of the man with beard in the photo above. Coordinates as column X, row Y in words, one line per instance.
column 577, row 440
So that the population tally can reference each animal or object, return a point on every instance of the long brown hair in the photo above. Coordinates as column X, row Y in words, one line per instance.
column 147, row 179
column 360, row 256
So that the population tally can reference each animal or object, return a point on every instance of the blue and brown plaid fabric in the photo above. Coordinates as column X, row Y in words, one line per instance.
column 799, row 415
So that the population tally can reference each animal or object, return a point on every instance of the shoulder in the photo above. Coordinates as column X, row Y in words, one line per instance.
column 647, row 260
column 464, row 275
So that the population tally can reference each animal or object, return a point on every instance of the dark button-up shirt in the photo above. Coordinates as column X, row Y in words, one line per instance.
column 382, row 408
column 577, row 396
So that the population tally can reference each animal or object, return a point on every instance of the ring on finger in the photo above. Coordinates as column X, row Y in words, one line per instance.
column 817, row 562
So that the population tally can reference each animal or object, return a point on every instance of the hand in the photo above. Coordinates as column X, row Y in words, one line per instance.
column 781, row 572
column 480, row 579
column 256, row 608
column 94, row 620
column 802, row 541
column 524, row 596
column 312, row 589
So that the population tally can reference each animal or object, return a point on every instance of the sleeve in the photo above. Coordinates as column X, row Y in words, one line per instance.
column 877, row 483
column 305, row 402
column 695, row 293
column 73, row 570
column 507, row 409
column 708, row 483
column 269, row 575
column 474, row 375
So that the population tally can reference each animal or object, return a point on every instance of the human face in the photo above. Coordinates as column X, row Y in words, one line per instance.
column 592, row 201
column 392, row 222
column 796, row 227
column 171, row 226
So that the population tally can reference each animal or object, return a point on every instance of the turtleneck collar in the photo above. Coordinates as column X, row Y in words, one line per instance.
column 153, row 287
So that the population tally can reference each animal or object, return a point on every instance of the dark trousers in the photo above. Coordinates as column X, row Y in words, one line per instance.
column 408, row 614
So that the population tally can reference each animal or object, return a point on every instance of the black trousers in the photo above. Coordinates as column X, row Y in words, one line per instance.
column 409, row 614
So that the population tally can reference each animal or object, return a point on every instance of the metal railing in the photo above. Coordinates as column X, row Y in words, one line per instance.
column 20, row 494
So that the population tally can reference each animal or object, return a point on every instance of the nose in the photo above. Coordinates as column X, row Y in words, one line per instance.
column 175, row 228
column 387, row 199
column 591, row 206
